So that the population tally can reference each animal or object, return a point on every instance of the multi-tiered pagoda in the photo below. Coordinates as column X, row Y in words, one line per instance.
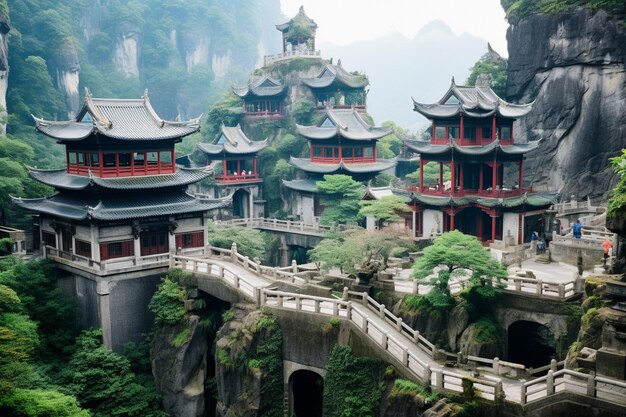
column 341, row 143
column 263, row 97
column 120, row 207
column 238, row 176
column 335, row 87
column 472, row 140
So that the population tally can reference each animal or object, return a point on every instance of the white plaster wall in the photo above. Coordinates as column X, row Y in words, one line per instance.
column 510, row 224
column 305, row 208
column 433, row 222
column 110, row 234
column 370, row 223
column 83, row 233
column 189, row 225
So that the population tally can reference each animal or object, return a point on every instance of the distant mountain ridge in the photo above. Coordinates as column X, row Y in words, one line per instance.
column 400, row 68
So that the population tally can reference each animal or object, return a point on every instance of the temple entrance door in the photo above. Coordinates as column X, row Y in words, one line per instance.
column 66, row 240
column 154, row 242
column 241, row 204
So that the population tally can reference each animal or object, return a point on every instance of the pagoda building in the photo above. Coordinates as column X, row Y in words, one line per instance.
column 119, row 211
column 298, row 33
column 337, row 88
column 239, row 173
column 263, row 97
column 472, row 138
column 341, row 143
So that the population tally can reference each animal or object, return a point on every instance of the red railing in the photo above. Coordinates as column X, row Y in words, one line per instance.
column 468, row 192
column 357, row 160
column 237, row 178
column 123, row 171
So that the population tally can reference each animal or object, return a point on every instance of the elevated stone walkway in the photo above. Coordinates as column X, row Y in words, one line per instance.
column 492, row 379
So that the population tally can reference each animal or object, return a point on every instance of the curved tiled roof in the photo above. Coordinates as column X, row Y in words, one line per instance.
column 425, row 147
column 346, row 123
column 235, row 142
column 264, row 86
column 124, row 119
column 138, row 206
column 536, row 200
column 307, row 185
column 60, row 179
column 299, row 19
column 336, row 74
column 354, row 168
column 471, row 101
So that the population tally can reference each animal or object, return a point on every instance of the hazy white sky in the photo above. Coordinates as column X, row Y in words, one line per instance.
column 344, row 21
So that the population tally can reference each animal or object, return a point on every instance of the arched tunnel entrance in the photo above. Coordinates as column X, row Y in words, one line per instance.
column 530, row 343
column 307, row 389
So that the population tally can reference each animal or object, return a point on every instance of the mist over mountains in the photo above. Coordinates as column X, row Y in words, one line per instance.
column 400, row 68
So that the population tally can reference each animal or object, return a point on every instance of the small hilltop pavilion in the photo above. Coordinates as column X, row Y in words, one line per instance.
column 120, row 209
column 472, row 142
column 263, row 98
column 238, row 174
column 341, row 143
column 337, row 88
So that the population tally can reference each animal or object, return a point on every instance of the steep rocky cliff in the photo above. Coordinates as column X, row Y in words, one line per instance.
column 5, row 26
column 572, row 64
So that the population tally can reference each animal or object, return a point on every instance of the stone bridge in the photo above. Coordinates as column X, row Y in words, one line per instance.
column 372, row 327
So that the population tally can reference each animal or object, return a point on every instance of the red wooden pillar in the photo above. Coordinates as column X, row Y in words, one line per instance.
column 493, row 227
column 480, row 227
column 493, row 127
column 480, row 179
column 452, row 176
column 224, row 168
column 520, row 219
column 462, row 132
column 521, row 176
column 494, row 173
column 451, row 221
column 238, row 166
column 440, row 176
column 461, row 169
column 255, row 167
column 421, row 175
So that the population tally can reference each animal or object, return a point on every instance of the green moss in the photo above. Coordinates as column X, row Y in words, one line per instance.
column 485, row 331
column 523, row 8
column 181, row 337
column 223, row 357
column 228, row 315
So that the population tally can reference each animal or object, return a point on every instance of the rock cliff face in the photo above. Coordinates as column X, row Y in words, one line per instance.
column 572, row 64
column 4, row 71
column 179, row 372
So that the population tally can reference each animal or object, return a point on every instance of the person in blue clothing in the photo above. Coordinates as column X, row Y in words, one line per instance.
column 577, row 230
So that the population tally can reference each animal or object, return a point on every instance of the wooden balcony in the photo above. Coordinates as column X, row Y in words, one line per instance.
column 446, row 192
column 237, row 179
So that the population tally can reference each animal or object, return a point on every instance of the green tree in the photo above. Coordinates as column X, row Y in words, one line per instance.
column 391, row 145
column 356, row 251
column 34, row 282
column 250, row 242
column 103, row 382
column 616, row 210
column 431, row 174
column 454, row 255
column 385, row 209
column 41, row 403
column 340, row 194
column 167, row 302
column 493, row 66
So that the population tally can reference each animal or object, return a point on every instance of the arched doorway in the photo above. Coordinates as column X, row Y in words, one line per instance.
column 241, row 204
column 530, row 343
column 307, row 389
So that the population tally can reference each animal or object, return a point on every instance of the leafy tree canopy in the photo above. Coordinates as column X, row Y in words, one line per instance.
column 250, row 242
column 454, row 255
column 385, row 209
column 617, row 201
column 356, row 249
column 495, row 68
column 341, row 195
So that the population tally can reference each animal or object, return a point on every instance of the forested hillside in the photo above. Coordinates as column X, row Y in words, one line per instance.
column 186, row 53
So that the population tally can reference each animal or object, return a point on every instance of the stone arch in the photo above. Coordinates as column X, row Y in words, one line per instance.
column 305, row 385
column 530, row 343
column 557, row 324
column 242, row 203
